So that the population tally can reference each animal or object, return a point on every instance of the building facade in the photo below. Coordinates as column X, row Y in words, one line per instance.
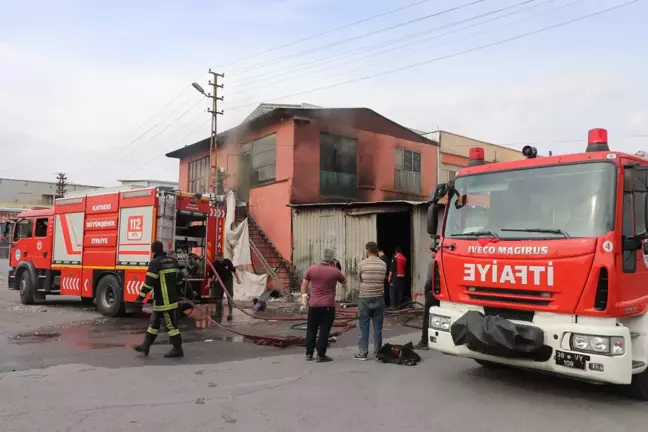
column 29, row 193
column 289, row 156
column 455, row 148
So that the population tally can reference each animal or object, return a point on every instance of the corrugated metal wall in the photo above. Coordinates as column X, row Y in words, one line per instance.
column 360, row 229
column 421, row 243
column 315, row 230
column 347, row 231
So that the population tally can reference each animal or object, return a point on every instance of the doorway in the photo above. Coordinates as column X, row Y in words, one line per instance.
column 395, row 230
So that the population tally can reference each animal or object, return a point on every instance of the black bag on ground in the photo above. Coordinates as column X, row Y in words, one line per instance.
column 398, row 354
column 496, row 336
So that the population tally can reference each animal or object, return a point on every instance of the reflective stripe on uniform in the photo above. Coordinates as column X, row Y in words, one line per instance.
column 161, row 308
column 152, row 330
column 153, row 275
column 171, row 330
column 163, row 285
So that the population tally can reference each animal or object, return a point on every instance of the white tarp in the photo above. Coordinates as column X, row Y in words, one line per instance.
column 252, row 285
column 237, row 249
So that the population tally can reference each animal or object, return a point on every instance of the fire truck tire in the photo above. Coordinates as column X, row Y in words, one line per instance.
column 639, row 386
column 110, row 296
column 27, row 288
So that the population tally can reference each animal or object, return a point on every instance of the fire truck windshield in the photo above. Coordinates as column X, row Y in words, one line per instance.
column 558, row 201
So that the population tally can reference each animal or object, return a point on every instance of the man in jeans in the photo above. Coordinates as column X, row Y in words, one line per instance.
column 371, row 302
column 323, row 278
column 430, row 301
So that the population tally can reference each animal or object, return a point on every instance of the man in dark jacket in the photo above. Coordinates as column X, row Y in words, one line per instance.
column 430, row 301
column 162, row 279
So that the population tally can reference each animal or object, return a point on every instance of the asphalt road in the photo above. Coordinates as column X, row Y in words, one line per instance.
column 64, row 369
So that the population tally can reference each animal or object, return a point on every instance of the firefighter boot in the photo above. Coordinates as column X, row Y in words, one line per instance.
column 176, row 351
column 218, row 313
column 146, row 346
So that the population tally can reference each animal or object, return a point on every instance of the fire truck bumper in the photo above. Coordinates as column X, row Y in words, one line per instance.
column 546, row 342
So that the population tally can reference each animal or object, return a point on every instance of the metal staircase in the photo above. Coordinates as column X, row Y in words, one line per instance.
column 264, row 253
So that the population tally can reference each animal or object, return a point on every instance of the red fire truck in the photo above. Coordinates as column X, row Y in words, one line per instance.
column 542, row 264
column 98, row 246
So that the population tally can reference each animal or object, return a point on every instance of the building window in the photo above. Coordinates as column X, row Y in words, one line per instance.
column 451, row 175
column 199, row 175
column 263, row 160
column 48, row 199
column 338, row 166
column 407, row 171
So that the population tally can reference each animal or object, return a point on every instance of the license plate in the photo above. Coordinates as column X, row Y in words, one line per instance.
column 570, row 360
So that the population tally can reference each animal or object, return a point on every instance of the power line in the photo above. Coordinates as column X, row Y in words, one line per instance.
column 173, row 147
column 371, row 47
column 354, row 38
column 123, row 156
column 370, row 18
column 355, row 59
column 362, row 21
column 452, row 55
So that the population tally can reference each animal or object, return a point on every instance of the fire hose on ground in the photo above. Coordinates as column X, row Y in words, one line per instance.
column 344, row 320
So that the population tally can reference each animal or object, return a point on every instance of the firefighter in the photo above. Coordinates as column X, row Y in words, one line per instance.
column 162, row 277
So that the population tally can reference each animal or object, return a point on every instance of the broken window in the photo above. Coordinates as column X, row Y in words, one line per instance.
column 338, row 166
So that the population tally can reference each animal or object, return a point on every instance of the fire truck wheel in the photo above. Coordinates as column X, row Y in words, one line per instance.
column 27, row 289
column 639, row 386
column 110, row 296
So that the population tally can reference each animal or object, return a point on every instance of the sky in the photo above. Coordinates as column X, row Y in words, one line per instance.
column 102, row 90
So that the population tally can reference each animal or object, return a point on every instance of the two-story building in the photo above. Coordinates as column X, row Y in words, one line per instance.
column 288, row 157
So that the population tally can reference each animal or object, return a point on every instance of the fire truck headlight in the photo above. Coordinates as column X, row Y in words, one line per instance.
column 600, row 344
column 580, row 342
column 614, row 346
column 439, row 322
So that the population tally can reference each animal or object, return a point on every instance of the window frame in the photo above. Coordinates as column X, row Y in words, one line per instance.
column 17, row 230
column 400, row 169
column 198, row 181
column 251, row 148
column 46, row 219
column 340, row 163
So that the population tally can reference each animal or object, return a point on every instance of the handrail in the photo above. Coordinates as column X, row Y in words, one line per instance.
column 266, row 266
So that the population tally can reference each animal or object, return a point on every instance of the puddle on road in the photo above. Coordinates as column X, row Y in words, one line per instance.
column 105, row 333
column 34, row 337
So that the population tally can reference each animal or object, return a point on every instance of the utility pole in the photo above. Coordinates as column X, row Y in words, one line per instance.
column 213, row 165
column 214, row 175
column 61, row 185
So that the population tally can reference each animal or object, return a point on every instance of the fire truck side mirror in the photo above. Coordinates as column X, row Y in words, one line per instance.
column 433, row 220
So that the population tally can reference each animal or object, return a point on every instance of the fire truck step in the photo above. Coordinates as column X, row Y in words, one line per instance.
column 637, row 364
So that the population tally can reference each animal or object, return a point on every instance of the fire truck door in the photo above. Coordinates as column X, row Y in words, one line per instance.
column 22, row 248
column 634, row 263
column 42, row 257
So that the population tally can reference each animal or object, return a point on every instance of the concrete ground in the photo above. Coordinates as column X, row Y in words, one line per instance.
column 60, row 375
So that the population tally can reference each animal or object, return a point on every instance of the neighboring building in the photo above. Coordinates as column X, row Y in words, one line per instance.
column 29, row 193
column 313, row 155
column 455, row 148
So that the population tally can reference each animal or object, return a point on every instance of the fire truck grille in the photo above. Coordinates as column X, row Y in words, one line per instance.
column 511, row 296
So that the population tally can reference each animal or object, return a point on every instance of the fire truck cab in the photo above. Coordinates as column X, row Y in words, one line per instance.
column 97, row 246
column 543, row 264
